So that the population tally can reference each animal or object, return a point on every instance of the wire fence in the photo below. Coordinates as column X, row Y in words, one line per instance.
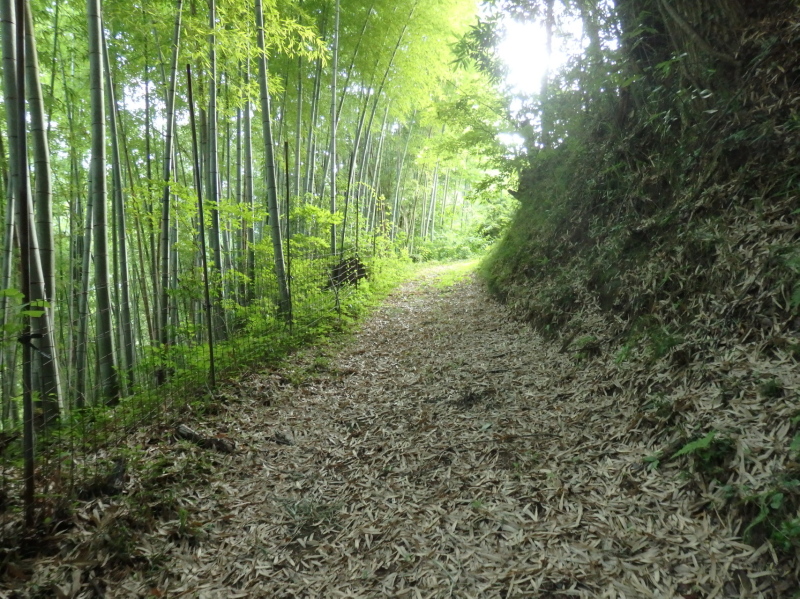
column 249, row 326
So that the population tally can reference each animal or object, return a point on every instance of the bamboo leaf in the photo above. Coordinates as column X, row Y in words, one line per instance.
column 694, row 446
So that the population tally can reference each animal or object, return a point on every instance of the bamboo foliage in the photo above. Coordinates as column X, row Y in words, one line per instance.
column 113, row 251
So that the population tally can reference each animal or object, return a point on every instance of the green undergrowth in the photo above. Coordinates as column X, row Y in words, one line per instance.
column 448, row 246
column 768, row 513
column 142, row 478
column 75, row 453
column 128, row 459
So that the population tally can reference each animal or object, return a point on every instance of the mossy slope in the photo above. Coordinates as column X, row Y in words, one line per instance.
column 670, row 246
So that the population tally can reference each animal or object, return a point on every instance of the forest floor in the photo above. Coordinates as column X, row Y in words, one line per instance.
column 446, row 450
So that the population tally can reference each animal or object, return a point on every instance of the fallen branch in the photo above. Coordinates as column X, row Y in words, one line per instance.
column 7, row 439
column 106, row 484
column 222, row 444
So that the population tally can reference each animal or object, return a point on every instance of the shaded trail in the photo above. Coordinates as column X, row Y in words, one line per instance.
column 447, row 451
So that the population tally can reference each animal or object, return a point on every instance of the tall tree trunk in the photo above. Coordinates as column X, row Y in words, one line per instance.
column 43, row 369
column 228, row 250
column 7, row 365
column 272, row 195
column 50, row 390
column 412, row 232
column 399, row 181
column 248, row 191
column 362, row 184
column 54, row 62
column 311, row 140
column 350, row 189
column 153, row 246
column 107, row 375
column 333, row 121
column 242, row 245
column 432, row 210
column 349, row 71
column 25, row 234
column 385, row 78
column 82, row 335
column 683, row 14
column 281, row 114
column 41, row 152
column 444, row 196
column 6, row 355
column 376, row 173
column 299, row 130
column 212, row 176
column 423, row 221
column 120, row 226
column 202, row 227
column 166, row 225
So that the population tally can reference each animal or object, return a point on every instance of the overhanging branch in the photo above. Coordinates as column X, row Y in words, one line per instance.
column 687, row 28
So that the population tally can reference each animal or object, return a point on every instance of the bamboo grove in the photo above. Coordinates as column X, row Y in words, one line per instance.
column 140, row 226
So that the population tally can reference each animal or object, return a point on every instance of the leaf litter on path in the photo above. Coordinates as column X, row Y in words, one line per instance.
column 448, row 451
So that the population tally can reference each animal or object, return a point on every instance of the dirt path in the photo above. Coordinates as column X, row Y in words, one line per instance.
column 448, row 451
